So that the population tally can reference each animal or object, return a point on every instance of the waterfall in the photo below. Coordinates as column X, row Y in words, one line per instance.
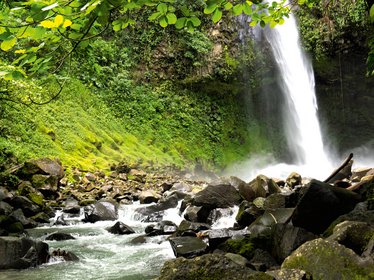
column 296, row 79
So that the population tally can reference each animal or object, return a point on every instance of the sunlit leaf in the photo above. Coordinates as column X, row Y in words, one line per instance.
column 217, row 15
column 67, row 23
column 163, row 21
column 48, row 24
column 8, row 43
column 195, row 21
column 20, row 51
column 162, row 8
column 59, row 19
column 171, row 17
column 180, row 23
column 228, row 6
column 238, row 9
column 210, row 8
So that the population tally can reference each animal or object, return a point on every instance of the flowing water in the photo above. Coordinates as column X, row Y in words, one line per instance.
column 104, row 255
column 297, row 82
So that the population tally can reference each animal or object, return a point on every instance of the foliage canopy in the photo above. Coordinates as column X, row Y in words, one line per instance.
column 40, row 35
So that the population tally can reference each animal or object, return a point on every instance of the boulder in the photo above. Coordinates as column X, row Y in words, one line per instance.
column 161, row 228
column 5, row 208
column 181, row 187
column 263, row 224
column 22, row 252
column 197, row 214
column 100, row 211
column 163, row 204
column 27, row 206
column 326, row 259
column 217, row 236
column 71, row 206
column 44, row 166
column 188, row 246
column 262, row 260
column 259, row 186
column 286, row 238
column 148, row 196
column 120, row 228
column 353, row 235
column 217, row 196
column 137, row 175
column 293, row 180
column 210, row 266
column 46, row 184
column 321, row 204
column 18, row 216
column 187, row 226
column 247, row 214
column 59, row 236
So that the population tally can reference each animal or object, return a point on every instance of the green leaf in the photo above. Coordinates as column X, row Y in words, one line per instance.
column 195, row 21
column 180, row 23
column 253, row 23
column 238, row 9
column 273, row 24
column 171, row 17
column 372, row 12
column 262, row 23
column 162, row 8
column 228, row 6
column 2, row 30
column 154, row 16
column 247, row 9
column 163, row 21
column 185, row 11
column 210, row 8
column 217, row 15
column 8, row 43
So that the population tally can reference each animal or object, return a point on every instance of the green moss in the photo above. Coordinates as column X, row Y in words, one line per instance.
column 36, row 198
column 242, row 247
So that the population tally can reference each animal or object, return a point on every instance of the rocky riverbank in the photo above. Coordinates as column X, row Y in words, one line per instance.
column 295, row 228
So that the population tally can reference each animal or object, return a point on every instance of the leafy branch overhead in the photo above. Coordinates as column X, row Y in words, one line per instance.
column 42, row 34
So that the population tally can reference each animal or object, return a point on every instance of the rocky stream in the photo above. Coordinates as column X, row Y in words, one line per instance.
column 132, row 224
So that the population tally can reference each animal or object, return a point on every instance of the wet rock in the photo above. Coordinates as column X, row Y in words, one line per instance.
column 59, row 236
column 163, row 204
column 238, row 259
column 21, row 252
column 218, row 236
column 325, row 259
column 321, row 205
column 90, row 177
column 287, row 238
column 218, row 196
column 139, row 239
column 161, row 228
column 100, row 211
column 247, row 214
column 65, row 255
column 41, row 218
column 210, row 266
column 259, row 186
column 188, row 247
column 197, row 214
column 44, row 166
column 263, row 224
column 71, row 206
column 190, row 226
column 27, row 206
column 137, row 175
column 148, row 196
column 120, row 228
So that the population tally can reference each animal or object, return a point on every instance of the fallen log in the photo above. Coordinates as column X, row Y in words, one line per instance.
column 332, row 178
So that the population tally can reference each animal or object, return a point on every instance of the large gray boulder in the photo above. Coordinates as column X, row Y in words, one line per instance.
column 44, row 166
column 210, row 266
column 217, row 196
column 325, row 259
column 321, row 204
column 22, row 252
column 101, row 211
column 120, row 228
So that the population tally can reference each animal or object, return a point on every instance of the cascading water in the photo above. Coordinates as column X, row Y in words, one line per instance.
column 297, row 82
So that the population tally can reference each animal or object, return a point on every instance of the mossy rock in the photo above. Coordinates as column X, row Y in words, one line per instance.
column 243, row 247
column 37, row 198
column 16, row 227
column 325, row 259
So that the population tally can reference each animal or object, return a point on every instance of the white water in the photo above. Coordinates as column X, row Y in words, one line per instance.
column 104, row 255
column 297, row 81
